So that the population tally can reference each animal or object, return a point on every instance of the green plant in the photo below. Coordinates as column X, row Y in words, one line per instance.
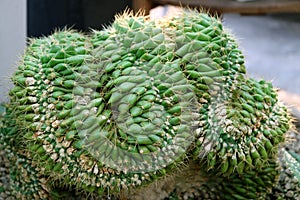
column 113, row 112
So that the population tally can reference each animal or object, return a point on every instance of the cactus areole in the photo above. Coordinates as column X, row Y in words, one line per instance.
column 120, row 108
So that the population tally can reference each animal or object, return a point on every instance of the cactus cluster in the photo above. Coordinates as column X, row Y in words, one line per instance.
column 114, row 111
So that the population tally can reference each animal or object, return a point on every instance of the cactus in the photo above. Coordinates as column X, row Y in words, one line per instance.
column 255, row 184
column 116, row 111
column 288, row 186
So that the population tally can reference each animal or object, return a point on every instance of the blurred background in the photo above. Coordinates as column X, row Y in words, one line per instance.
column 268, row 31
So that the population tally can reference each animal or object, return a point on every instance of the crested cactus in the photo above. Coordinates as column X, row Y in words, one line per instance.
column 112, row 112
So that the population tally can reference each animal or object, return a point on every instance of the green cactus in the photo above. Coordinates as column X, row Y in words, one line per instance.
column 118, row 110
column 288, row 186
column 254, row 184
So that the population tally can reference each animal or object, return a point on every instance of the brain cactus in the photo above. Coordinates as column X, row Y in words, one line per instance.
column 121, row 109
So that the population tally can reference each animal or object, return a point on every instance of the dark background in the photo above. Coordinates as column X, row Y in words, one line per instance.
column 45, row 16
